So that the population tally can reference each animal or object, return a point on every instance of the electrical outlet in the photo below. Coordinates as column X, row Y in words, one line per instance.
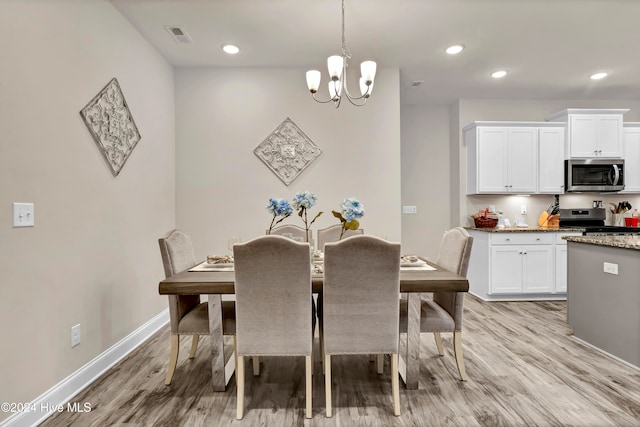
column 523, row 209
column 75, row 335
column 23, row 215
column 610, row 268
column 409, row 209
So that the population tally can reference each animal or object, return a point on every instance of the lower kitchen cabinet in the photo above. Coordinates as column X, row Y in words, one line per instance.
column 518, row 265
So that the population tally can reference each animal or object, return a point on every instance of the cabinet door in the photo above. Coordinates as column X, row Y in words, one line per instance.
column 632, row 160
column 537, row 269
column 492, row 160
column 609, row 135
column 583, row 135
column 522, row 160
column 561, row 268
column 506, row 270
column 551, row 160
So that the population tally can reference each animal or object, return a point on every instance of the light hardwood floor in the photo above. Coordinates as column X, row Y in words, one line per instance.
column 523, row 369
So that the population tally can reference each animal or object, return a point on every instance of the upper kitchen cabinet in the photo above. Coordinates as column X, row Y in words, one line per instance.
column 631, row 158
column 551, row 159
column 503, row 157
column 592, row 133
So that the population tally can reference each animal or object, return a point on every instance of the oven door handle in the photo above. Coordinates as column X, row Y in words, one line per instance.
column 616, row 175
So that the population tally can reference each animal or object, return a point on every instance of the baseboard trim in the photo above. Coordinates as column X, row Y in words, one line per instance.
column 58, row 396
column 606, row 353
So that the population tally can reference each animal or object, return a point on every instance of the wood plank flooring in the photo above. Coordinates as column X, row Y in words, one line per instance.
column 524, row 370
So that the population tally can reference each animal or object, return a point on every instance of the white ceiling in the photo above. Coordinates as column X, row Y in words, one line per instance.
column 550, row 47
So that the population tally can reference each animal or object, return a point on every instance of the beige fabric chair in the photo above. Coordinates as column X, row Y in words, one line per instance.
column 332, row 234
column 361, row 291
column 273, row 304
column 188, row 316
column 296, row 232
column 444, row 312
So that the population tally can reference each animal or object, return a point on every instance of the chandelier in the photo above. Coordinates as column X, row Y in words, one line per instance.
column 337, row 65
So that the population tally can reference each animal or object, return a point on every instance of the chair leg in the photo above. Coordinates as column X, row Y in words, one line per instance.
column 327, row 383
column 194, row 346
column 457, row 349
column 438, row 339
column 309, row 383
column 380, row 362
column 256, row 366
column 240, row 387
column 395, row 384
column 173, row 358
column 321, row 349
column 372, row 358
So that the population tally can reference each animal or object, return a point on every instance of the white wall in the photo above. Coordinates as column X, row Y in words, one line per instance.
column 426, row 181
column 222, row 187
column 92, row 257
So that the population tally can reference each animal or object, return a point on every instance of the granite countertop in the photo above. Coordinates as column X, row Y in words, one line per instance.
column 626, row 242
column 528, row 229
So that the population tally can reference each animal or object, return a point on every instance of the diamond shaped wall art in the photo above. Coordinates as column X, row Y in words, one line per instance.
column 109, row 121
column 287, row 151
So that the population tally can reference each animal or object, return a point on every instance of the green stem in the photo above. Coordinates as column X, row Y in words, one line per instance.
column 306, row 226
column 271, row 226
column 343, row 230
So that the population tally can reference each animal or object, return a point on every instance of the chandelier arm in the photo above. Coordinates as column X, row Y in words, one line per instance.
column 321, row 101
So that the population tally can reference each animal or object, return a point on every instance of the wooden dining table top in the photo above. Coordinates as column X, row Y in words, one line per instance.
column 223, row 282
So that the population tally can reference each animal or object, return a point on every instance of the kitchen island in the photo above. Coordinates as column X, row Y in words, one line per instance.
column 603, row 295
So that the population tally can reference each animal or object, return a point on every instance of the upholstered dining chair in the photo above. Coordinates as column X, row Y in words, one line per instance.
column 443, row 313
column 188, row 316
column 273, row 305
column 295, row 231
column 361, row 312
column 332, row 234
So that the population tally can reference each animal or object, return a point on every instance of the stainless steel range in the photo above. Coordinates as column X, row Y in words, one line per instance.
column 592, row 220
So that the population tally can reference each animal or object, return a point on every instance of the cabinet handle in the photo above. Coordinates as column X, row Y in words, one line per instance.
column 525, row 253
column 507, row 239
column 537, row 239
column 520, row 253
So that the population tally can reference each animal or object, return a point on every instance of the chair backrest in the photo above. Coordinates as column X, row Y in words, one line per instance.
column 177, row 255
column 332, row 234
column 453, row 255
column 361, row 292
column 295, row 231
column 455, row 251
column 273, row 297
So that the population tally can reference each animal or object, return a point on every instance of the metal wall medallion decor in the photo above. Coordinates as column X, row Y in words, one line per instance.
column 109, row 120
column 287, row 151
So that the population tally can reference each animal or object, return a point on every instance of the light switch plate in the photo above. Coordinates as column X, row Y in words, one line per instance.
column 23, row 215
column 610, row 268
column 409, row 209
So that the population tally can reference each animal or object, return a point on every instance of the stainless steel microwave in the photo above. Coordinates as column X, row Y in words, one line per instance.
column 596, row 175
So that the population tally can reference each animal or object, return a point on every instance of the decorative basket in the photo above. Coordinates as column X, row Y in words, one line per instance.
column 485, row 222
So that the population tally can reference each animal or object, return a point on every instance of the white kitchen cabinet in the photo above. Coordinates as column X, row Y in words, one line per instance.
column 592, row 133
column 518, row 265
column 561, row 261
column 501, row 158
column 551, row 160
column 522, row 263
column 631, row 158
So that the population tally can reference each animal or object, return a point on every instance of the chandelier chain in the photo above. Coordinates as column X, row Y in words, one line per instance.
column 345, row 49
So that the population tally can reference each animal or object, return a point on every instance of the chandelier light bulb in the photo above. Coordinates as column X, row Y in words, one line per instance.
column 335, row 64
column 313, row 80
column 335, row 89
column 365, row 89
column 368, row 70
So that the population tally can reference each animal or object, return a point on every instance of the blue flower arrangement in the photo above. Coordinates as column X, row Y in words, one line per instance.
column 350, row 211
column 302, row 202
column 278, row 207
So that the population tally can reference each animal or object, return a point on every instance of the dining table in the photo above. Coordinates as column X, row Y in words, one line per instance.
column 414, row 281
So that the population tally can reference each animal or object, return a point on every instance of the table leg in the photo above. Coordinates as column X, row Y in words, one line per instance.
column 217, row 343
column 410, row 364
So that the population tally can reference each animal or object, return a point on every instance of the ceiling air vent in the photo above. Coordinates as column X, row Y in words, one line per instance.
column 417, row 83
column 178, row 34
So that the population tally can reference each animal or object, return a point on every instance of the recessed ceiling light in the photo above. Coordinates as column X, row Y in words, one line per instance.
column 230, row 49
column 498, row 74
column 455, row 49
column 598, row 76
